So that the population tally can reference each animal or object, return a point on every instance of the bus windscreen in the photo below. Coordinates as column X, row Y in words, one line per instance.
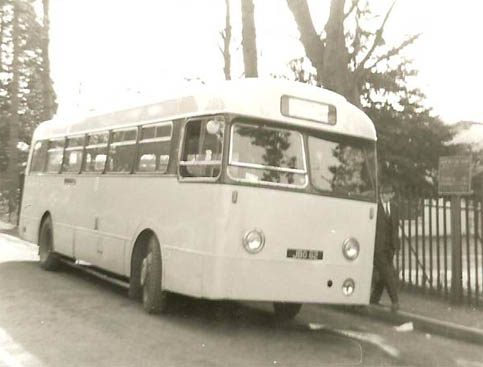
column 267, row 155
column 342, row 167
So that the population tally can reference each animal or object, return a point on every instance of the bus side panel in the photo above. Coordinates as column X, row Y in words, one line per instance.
column 194, row 241
column 93, row 242
column 62, row 207
column 120, row 203
column 44, row 193
column 30, row 213
column 183, row 217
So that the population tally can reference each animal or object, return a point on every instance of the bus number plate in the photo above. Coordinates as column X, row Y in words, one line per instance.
column 305, row 254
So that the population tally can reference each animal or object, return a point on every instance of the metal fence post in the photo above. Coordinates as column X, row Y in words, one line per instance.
column 456, row 258
column 476, row 240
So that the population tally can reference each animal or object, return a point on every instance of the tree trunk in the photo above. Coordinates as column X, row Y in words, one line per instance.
column 335, row 75
column 50, row 106
column 249, row 39
column 329, row 56
column 314, row 47
column 226, row 43
column 12, row 172
column 1, row 35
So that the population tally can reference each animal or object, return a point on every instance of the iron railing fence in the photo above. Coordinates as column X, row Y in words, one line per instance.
column 426, row 259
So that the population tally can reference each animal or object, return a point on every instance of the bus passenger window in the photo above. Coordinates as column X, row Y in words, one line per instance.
column 122, row 150
column 96, row 146
column 39, row 156
column 73, row 154
column 100, row 162
column 163, row 162
column 54, row 155
column 154, row 148
column 147, row 162
column 202, row 149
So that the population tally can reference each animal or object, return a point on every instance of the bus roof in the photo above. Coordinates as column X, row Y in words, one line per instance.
column 249, row 97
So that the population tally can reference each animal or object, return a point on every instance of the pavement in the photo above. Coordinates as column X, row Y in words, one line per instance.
column 418, row 311
column 429, row 314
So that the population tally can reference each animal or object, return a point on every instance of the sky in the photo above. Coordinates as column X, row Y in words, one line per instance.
column 114, row 54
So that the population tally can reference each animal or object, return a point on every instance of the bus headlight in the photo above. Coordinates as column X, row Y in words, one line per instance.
column 253, row 241
column 350, row 248
column 348, row 287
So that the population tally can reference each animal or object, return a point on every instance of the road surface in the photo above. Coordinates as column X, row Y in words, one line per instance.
column 69, row 318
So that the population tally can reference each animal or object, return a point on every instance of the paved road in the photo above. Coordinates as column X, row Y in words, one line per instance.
column 69, row 318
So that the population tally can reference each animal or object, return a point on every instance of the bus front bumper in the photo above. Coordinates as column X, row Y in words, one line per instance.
column 305, row 281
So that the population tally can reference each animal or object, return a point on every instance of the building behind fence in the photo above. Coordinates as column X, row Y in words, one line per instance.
column 425, row 260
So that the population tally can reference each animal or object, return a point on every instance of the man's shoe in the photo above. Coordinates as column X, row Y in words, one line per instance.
column 394, row 307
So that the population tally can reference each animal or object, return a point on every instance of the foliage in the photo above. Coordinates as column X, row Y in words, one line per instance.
column 351, row 57
column 26, row 91
column 410, row 142
column 32, row 108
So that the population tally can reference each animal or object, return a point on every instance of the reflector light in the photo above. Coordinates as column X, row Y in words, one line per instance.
column 308, row 110
column 348, row 287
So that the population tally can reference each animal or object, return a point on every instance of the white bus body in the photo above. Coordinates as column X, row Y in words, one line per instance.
column 100, row 216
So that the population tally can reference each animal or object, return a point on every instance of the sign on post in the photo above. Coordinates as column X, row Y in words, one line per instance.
column 454, row 179
column 454, row 175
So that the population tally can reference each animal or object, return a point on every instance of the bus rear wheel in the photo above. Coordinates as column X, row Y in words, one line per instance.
column 48, row 260
column 155, row 300
column 285, row 311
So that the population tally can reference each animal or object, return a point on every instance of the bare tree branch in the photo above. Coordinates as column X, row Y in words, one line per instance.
column 377, row 40
column 354, row 5
column 395, row 50
column 313, row 45
column 356, row 43
column 226, row 36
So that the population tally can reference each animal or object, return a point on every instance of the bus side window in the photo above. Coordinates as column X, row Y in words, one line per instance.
column 121, row 151
column 96, row 150
column 39, row 156
column 73, row 154
column 154, row 148
column 54, row 155
column 202, row 150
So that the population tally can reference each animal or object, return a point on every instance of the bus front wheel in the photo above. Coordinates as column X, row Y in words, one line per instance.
column 155, row 300
column 286, row 311
column 48, row 260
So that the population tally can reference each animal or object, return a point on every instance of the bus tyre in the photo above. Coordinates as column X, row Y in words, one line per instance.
column 285, row 311
column 154, row 299
column 48, row 260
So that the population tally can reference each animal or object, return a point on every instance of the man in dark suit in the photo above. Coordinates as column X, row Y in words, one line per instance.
column 387, row 242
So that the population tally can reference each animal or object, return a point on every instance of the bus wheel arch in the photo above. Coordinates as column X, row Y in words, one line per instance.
column 137, row 255
column 48, row 259
column 145, row 281
column 44, row 217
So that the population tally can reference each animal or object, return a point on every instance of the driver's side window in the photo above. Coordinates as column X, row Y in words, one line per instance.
column 202, row 148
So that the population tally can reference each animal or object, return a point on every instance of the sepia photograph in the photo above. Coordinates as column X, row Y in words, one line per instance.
column 217, row 183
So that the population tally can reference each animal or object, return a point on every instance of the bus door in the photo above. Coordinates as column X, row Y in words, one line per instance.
column 59, row 198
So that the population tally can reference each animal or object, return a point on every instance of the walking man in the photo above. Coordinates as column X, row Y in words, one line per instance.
column 387, row 242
